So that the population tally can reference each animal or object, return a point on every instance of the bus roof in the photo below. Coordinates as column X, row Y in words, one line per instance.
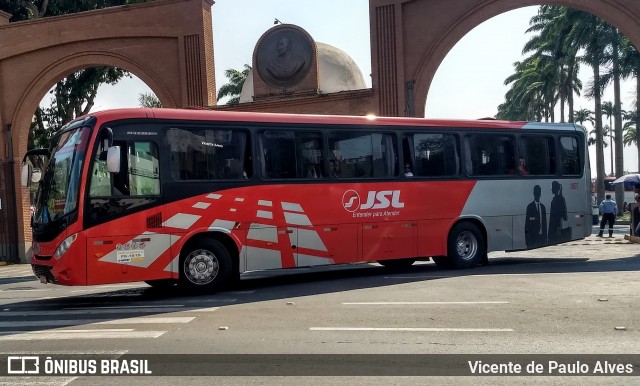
column 236, row 116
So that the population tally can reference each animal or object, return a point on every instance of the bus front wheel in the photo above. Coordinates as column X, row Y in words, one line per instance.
column 465, row 247
column 205, row 267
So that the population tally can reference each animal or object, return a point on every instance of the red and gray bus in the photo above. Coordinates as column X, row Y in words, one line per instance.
column 196, row 198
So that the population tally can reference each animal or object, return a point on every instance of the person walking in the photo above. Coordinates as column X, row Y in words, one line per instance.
column 609, row 210
column 635, row 216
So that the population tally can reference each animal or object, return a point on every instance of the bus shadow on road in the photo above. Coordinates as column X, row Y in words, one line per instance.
column 370, row 275
column 144, row 301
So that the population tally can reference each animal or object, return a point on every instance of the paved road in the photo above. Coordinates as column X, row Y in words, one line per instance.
column 578, row 298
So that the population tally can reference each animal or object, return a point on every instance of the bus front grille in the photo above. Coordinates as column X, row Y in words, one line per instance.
column 43, row 272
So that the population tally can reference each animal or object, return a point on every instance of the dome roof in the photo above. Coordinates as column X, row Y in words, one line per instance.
column 337, row 71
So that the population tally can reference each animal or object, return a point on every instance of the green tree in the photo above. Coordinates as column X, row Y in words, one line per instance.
column 233, row 88
column 588, row 33
column 608, row 110
column 613, row 74
column 549, row 27
column 631, row 67
column 149, row 100
column 75, row 94
column 528, row 97
column 630, row 129
column 549, row 75
column 583, row 115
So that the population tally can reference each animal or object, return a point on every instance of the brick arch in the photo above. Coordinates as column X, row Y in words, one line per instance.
column 47, row 78
column 168, row 44
column 410, row 39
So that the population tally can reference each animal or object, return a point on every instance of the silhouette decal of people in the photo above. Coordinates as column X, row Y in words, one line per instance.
column 558, row 233
column 535, row 226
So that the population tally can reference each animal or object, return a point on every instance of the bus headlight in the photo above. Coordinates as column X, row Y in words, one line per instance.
column 64, row 246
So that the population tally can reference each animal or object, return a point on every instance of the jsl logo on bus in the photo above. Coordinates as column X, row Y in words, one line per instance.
column 380, row 199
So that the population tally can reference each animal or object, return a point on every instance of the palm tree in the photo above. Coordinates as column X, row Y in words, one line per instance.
column 608, row 111
column 613, row 39
column 234, row 87
column 552, row 26
column 582, row 116
column 587, row 33
column 630, row 130
column 631, row 67
column 531, row 96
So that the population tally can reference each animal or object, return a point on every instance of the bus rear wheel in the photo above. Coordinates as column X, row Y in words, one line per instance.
column 205, row 267
column 397, row 263
column 466, row 247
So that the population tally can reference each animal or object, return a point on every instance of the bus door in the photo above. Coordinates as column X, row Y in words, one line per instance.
column 125, row 238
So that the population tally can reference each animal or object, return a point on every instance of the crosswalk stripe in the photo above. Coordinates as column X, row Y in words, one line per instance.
column 91, row 311
column 125, row 307
column 83, row 334
column 142, row 320
column 105, row 311
column 67, row 352
column 59, row 323
column 46, row 323
column 209, row 309
column 40, row 381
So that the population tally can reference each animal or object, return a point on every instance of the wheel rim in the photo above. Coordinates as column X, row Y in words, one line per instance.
column 466, row 245
column 201, row 267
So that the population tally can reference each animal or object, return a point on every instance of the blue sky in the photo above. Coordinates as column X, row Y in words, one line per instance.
column 469, row 82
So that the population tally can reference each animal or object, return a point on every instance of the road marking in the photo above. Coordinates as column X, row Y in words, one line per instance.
column 424, row 303
column 209, row 309
column 221, row 300
column 59, row 323
column 46, row 323
column 413, row 329
column 101, row 288
column 143, row 320
column 83, row 334
column 68, row 352
column 90, row 311
column 421, row 277
column 124, row 307
column 17, row 276
column 106, row 310
column 41, row 381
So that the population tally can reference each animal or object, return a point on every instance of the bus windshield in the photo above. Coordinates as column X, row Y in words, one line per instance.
column 59, row 189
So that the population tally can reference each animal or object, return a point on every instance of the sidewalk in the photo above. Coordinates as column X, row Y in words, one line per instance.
column 15, row 270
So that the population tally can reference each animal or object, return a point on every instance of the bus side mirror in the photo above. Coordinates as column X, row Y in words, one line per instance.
column 25, row 175
column 113, row 159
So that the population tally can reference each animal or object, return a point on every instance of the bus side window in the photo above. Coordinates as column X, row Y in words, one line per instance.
column 570, row 157
column 538, row 153
column 279, row 153
column 491, row 154
column 143, row 177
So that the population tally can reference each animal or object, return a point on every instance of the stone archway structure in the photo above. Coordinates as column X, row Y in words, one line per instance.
column 410, row 39
column 168, row 44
